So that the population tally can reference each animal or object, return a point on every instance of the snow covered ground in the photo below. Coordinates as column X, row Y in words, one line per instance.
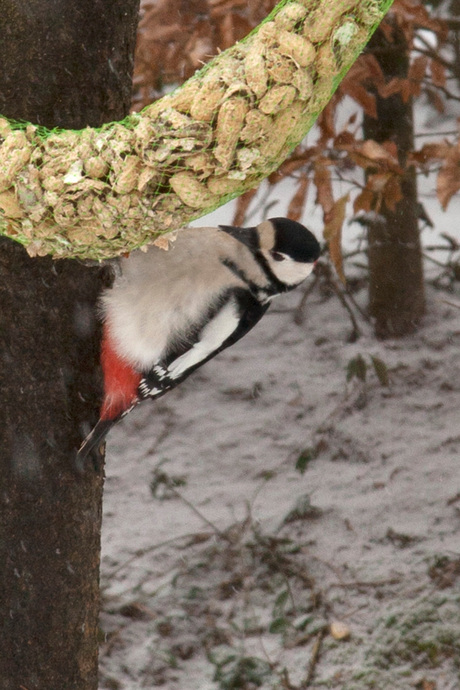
column 212, row 538
column 269, row 524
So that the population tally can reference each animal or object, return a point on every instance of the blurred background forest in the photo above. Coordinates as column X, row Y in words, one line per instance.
column 376, row 149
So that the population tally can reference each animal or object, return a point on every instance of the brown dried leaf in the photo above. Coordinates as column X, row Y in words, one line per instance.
column 413, row 15
column 392, row 193
column 333, row 234
column 345, row 140
column 417, row 69
column 433, row 151
column 378, row 181
column 377, row 152
column 327, row 121
column 448, row 182
column 297, row 160
column 362, row 96
column 364, row 201
column 366, row 69
column 335, row 218
column 242, row 204
column 391, row 87
column 436, row 100
column 438, row 73
column 408, row 90
column 322, row 180
column 297, row 203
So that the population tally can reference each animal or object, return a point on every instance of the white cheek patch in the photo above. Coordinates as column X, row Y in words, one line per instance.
column 213, row 335
column 291, row 272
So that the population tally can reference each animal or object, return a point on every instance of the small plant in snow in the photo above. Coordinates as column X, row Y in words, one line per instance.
column 163, row 485
column 357, row 368
column 238, row 672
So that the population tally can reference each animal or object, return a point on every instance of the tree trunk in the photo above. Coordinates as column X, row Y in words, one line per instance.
column 63, row 63
column 454, row 36
column 396, row 291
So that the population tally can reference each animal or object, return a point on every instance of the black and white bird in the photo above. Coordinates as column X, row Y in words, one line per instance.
column 169, row 312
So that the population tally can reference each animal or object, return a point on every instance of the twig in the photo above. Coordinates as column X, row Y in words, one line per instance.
column 142, row 552
column 286, row 681
column 195, row 510
column 357, row 306
column 354, row 335
column 448, row 94
column 450, row 303
column 299, row 316
column 326, row 271
column 431, row 53
column 435, row 261
column 447, row 133
column 323, row 270
column 313, row 659
column 452, row 23
column 439, row 247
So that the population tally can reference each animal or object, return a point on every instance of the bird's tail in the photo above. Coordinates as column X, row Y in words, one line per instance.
column 98, row 434
column 120, row 396
column 94, row 438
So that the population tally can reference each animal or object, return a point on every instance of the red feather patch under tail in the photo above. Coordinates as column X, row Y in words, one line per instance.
column 120, row 382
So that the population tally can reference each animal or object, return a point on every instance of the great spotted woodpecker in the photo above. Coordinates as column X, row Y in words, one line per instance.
column 169, row 312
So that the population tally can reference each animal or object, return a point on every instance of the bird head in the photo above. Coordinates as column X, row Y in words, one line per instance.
column 288, row 249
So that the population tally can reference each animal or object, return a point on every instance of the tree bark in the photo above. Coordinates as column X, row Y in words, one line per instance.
column 396, row 290
column 64, row 63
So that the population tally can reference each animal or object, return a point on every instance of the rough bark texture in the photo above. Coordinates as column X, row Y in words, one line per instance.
column 396, row 293
column 63, row 63
column 67, row 64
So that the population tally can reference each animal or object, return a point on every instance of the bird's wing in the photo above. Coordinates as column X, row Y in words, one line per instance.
column 225, row 325
column 230, row 322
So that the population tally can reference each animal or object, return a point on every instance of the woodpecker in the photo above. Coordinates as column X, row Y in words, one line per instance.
column 169, row 312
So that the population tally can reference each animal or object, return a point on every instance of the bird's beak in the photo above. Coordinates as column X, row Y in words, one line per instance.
column 247, row 236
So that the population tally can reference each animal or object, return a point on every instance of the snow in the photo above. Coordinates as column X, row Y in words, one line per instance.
column 218, row 551
column 384, row 485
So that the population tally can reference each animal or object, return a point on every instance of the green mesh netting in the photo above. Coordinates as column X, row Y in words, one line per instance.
column 96, row 193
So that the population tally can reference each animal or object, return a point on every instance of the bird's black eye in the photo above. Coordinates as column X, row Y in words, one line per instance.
column 277, row 256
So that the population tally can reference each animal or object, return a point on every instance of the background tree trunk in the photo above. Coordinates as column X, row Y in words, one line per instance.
column 63, row 63
column 396, row 291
